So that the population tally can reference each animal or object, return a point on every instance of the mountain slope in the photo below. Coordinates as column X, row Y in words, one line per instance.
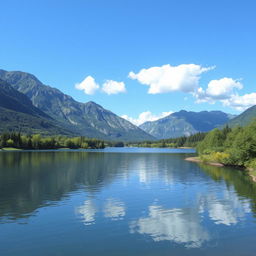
column 244, row 118
column 17, row 113
column 88, row 119
column 184, row 123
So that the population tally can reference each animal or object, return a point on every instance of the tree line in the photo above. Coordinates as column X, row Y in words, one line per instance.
column 189, row 141
column 36, row 141
column 236, row 146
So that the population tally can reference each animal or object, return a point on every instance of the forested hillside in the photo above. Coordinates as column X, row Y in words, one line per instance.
column 85, row 119
column 236, row 146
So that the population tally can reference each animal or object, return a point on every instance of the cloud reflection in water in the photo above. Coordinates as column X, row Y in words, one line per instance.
column 178, row 225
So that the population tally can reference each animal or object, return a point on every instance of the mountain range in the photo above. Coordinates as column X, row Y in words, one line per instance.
column 185, row 123
column 244, row 118
column 29, row 106
column 87, row 119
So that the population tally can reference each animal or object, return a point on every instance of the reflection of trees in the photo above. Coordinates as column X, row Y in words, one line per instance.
column 241, row 182
column 29, row 180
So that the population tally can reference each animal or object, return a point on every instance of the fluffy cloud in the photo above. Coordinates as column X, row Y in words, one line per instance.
column 113, row 87
column 169, row 78
column 88, row 85
column 218, row 90
column 241, row 102
column 224, row 90
column 146, row 116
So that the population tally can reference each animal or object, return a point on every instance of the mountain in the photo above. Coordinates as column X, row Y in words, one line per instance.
column 87, row 119
column 244, row 118
column 17, row 113
column 185, row 123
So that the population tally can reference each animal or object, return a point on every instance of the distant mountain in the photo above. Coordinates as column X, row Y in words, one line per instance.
column 185, row 123
column 17, row 113
column 88, row 119
column 244, row 118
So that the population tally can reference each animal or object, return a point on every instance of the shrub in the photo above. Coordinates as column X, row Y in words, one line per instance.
column 219, row 157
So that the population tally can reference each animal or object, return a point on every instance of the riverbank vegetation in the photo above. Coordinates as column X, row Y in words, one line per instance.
column 235, row 147
column 36, row 141
column 190, row 141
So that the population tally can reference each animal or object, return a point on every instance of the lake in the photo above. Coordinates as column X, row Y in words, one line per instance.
column 123, row 201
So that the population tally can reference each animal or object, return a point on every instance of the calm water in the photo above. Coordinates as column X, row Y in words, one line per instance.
column 123, row 202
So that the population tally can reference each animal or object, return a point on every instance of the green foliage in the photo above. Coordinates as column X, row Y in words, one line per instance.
column 235, row 146
column 36, row 141
column 183, row 141
column 215, row 157
column 251, row 164
column 10, row 143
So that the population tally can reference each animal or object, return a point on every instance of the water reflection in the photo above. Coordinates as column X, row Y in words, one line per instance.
column 111, row 208
column 88, row 211
column 177, row 225
column 226, row 209
column 157, row 169
column 186, row 225
column 236, row 181
column 114, row 209
column 160, row 196
column 29, row 180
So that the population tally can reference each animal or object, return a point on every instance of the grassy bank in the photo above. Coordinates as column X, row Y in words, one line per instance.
column 10, row 149
column 197, row 159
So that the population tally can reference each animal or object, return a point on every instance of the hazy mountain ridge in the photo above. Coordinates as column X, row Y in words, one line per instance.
column 185, row 123
column 88, row 119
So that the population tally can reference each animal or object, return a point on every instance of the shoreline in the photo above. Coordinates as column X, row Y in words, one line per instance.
column 10, row 149
column 196, row 159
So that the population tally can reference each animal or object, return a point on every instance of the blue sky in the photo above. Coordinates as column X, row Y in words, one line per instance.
column 64, row 42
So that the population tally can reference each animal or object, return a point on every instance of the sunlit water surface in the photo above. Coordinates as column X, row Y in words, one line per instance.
column 128, row 201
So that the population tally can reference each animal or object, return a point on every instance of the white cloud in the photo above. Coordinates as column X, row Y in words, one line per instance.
column 224, row 90
column 241, row 102
column 113, row 87
column 218, row 90
column 146, row 116
column 167, row 78
column 88, row 85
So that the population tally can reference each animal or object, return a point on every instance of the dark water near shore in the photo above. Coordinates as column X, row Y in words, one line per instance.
column 123, row 202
